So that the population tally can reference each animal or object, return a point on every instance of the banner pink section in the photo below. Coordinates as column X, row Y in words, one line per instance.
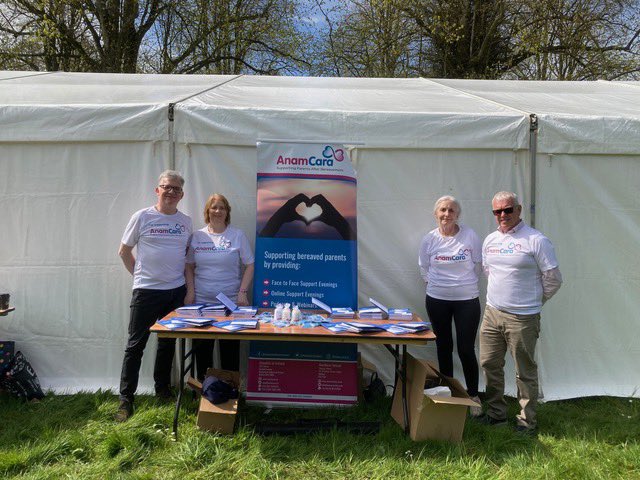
column 324, row 382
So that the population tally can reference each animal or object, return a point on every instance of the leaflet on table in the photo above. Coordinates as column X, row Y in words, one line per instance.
column 234, row 309
column 393, row 313
column 338, row 312
column 355, row 327
column 379, row 305
column 177, row 323
column 404, row 328
column 191, row 310
column 360, row 327
column 238, row 324
column 373, row 313
column 213, row 308
column 199, row 309
column 400, row 314
column 196, row 322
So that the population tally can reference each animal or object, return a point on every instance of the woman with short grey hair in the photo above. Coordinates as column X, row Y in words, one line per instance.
column 450, row 258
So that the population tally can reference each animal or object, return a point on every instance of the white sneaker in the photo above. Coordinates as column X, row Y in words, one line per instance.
column 476, row 411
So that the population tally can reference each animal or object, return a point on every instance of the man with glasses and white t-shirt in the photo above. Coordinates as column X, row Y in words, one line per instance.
column 522, row 269
column 161, row 234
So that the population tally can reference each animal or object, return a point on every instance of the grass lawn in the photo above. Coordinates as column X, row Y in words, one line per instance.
column 74, row 436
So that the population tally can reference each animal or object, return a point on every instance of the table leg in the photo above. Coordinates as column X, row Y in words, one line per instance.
column 401, row 374
column 181, row 359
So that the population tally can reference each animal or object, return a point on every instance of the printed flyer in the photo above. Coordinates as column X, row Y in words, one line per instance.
column 306, row 225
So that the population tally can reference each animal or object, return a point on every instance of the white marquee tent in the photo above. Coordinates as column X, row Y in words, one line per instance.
column 79, row 153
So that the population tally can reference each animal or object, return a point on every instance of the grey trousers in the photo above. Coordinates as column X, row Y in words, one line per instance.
column 501, row 332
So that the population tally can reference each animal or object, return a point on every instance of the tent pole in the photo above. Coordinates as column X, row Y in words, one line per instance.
column 533, row 149
column 172, row 140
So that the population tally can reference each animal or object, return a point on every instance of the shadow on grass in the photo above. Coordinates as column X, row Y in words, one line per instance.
column 610, row 420
column 495, row 443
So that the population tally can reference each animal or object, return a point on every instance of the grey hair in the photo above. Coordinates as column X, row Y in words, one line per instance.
column 447, row 198
column 171, row 175
column 506, row 196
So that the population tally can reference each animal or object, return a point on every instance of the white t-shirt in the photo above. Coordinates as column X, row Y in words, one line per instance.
column 161, row 248
column 514, row 262
column 217, row 259
column 449, row 263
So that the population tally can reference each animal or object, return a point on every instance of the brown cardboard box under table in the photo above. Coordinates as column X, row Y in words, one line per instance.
column 219, row 418
column 431, row 417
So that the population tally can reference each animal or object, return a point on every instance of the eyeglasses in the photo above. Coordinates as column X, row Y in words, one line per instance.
column 171, row 188
column 500, row 211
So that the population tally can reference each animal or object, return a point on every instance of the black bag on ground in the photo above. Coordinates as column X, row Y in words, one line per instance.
column 375, row 389
column 21, row 380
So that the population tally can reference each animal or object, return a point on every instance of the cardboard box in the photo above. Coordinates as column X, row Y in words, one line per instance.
column 219, row 418
column 431, row 417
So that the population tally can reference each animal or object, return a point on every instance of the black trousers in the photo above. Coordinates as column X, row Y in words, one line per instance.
column 147, row 306
column 229, row 355
column 466, row 318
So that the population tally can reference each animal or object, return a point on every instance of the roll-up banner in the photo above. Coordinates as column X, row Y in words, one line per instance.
column 306, row 226
column 306, row 246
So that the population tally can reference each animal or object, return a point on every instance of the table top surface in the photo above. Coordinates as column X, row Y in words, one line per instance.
column 295, row 333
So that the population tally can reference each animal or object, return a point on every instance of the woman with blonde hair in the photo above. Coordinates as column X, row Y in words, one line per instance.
column 219, row 259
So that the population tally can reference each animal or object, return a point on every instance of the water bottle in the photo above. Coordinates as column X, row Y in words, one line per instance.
column 277, row 313
column 286, row 312
column 296, row 315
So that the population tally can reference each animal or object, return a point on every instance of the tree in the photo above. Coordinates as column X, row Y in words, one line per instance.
column 213, row 36
column 168, row 36
column 93, row 35
column 577, row 40
column 462, row 38
column 365, row 38
column 541, row 39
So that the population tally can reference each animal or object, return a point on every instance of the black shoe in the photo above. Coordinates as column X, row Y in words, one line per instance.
column 165, row 394
column 487, row 420
column 125, row 410
column 530, row 431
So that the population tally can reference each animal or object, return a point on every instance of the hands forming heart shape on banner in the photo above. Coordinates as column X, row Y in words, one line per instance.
column 308, row 210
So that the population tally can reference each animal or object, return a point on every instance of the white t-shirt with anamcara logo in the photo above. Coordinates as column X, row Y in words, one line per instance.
column 448, row 264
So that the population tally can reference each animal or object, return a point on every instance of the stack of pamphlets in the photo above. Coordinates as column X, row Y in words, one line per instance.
column 196, row 322
column 359, row 327
column 372, row 313
column 213, row 309
column 394, row 313
column 402, row 328
column 342, row 313
column 200, row 310
column 238, row 324
column 234, row 309
column 337, row 313
column 400, row 314
column 176, row 323
column 194, row 310
column 244, row 312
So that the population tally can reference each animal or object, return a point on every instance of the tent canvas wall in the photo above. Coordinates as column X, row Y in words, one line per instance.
column 79, row 153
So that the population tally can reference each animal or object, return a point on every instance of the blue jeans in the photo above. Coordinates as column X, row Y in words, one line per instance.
column 147, row 306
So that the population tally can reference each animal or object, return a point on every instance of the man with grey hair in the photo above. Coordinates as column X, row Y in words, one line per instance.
column 522, row 269
column 160, row 234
